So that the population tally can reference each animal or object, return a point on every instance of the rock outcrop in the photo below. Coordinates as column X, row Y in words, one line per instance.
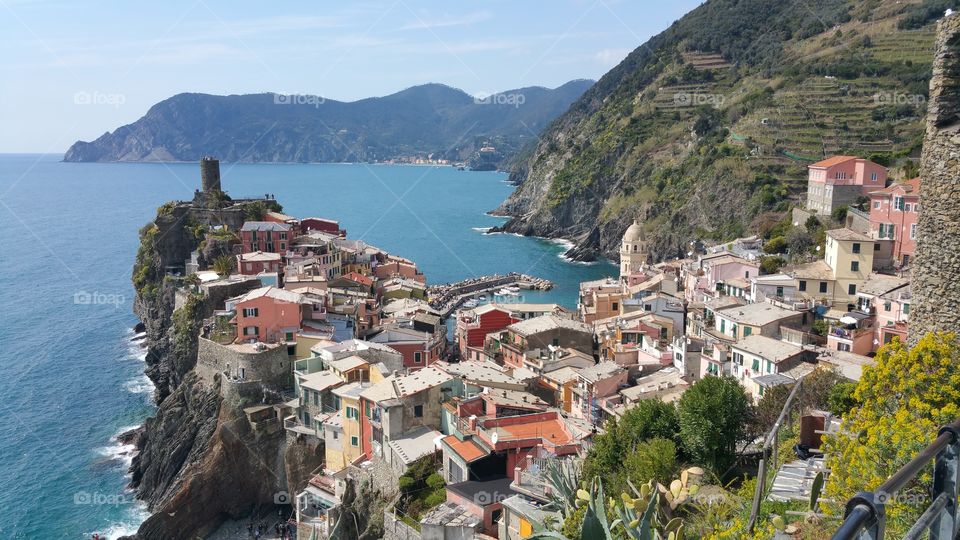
column 936, row 289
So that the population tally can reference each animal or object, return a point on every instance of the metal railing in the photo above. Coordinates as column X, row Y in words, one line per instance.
column 769, row 458
column 865, row 516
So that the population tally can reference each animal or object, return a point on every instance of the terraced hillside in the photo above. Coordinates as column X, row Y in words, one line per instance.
column 705, row 131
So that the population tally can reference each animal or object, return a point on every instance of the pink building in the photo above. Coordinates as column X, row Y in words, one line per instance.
column 272, row 315
column 265, row 236
column 251, row 264
column 840, row 181
column 398, row 267
column 893, row 216
column 322, row 225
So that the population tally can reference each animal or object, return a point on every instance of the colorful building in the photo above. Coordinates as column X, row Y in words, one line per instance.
column 840, row 181
column 266, row 236
column 893, row 218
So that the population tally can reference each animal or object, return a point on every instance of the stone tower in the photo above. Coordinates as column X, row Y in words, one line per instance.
column 210, row 174
column 633, row 249
column 936, row 271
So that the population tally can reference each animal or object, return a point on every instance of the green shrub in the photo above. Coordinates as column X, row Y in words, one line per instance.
column 435, row 481
column 405, row 484
column 436, row 499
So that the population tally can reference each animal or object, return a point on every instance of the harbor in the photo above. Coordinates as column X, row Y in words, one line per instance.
column 447, row 297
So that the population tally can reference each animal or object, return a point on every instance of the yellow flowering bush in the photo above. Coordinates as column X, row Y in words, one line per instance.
column 905, row 398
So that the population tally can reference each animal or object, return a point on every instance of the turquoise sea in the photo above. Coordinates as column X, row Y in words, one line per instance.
column 70, row 378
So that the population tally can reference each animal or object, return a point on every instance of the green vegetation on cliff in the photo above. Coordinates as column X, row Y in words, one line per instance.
column 707, row 129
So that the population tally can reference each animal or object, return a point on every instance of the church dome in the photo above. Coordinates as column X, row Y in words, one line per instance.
column 634, row 233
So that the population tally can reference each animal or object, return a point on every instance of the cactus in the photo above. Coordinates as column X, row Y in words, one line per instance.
column 640, row 515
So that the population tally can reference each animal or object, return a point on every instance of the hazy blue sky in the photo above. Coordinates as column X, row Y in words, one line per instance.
column 72, row 71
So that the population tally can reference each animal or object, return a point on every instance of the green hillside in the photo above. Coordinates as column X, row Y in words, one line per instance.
column 705, row 131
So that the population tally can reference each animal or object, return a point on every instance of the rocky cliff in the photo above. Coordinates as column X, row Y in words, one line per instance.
column 199, row 460
column 704, row 132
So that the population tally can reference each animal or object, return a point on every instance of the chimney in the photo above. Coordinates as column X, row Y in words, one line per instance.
column 472, row 422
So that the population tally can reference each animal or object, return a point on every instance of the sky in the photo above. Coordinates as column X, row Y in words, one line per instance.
column 75, row 70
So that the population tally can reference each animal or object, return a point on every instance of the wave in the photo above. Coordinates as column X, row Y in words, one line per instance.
column 482, row 229
column 136, row 515
column 140, row 385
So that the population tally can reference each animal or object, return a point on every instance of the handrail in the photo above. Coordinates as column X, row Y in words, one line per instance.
column 865, row 516
column 769, row 443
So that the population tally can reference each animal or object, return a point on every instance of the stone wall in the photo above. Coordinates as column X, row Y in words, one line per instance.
column 936, row 289
column 272, row 367
column 394, row 529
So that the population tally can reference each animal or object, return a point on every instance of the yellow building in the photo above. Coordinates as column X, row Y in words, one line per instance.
column 349, row 435
column 846, row 264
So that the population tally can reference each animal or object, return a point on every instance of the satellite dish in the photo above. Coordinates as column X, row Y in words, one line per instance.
column 494, row 438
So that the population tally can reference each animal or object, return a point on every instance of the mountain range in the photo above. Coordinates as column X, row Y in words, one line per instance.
column 705, row 131
column 427, row 120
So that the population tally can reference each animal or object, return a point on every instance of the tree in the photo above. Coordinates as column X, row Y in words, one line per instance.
column 798, row 240
column 771, row 265
column 768, row 409
column 813, row 224
column 649, row 419
column 842, row 399
column 223, row 265
column 904, row 399
column 714, row 415
column 653, row 459
column 255, row 211
column 775, row 245
column 839, row 214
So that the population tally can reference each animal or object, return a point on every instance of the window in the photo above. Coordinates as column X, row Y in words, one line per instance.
column 854, row 266
column 852, row 289
column 845, row 347
column 615, row 306
column 316, row 398
column 906, row 309
column 823, row 286
column 746, row 331
column 756, row 364
column 556, row 342
column 738, row 358
column 418, row 411
column 417, row 357
column 876, row 205
column 769, row 366
column 780, row 290
column 288, row 336
column 353, row 413
column 856, row 247
column 251, row 312
column 913, row 231
column 873, row 177
column 906, row 207
column 335, row 435
column 887, row 305
column 250, row 330
column 354, row 441
column 876, row 247
column 898, row 203
column 803, row 285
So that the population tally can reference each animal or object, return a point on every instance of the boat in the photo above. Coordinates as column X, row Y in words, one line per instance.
column 470, row 303
column 513, row 290
column 482, row 298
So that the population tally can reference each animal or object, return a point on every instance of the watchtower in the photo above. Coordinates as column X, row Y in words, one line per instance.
column 210, row 174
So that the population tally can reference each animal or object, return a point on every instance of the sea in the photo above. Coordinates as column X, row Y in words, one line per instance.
column 71, row 370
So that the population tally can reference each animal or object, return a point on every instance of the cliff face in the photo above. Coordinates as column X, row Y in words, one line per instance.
column 199, row 460
column 705, row 131
column 936, row 291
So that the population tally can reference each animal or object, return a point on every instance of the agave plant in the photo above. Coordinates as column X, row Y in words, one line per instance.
column 563, row 477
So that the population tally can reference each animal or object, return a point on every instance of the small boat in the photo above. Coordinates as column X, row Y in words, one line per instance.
column 470, row 303
column 513, row 290
column 482, row 298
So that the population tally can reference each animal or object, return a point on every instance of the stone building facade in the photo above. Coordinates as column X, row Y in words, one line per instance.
column 936, row 287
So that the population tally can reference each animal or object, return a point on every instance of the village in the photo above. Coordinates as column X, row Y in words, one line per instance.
column 335, row 343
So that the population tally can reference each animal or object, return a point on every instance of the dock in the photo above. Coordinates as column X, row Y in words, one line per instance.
column 447, row 297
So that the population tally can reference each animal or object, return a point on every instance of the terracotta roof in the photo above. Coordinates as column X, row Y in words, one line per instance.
column 845, row 234
column 911, row 186
column 831, row 161
column 467, row 450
